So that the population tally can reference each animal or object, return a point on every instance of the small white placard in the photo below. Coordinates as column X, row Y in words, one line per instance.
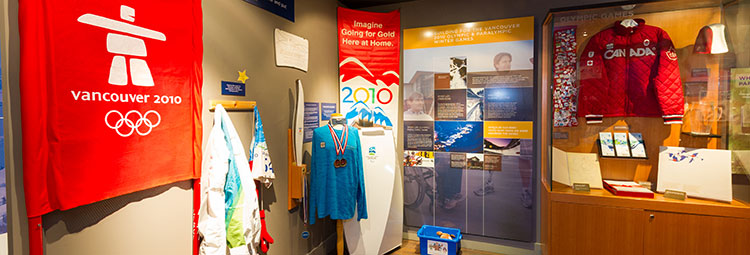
column 621, row 144
column 291, row 50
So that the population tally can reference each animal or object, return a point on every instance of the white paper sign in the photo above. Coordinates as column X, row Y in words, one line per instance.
column 571, row 167
column 703, row 173
column 291, row 50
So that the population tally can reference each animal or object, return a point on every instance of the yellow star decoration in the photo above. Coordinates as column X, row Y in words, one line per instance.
column 243, row 76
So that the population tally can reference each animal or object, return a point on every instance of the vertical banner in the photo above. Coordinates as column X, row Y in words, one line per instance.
column 468, row 121
column 739, row 120
column 110, row 98
column 3, row 183
column 369, row 66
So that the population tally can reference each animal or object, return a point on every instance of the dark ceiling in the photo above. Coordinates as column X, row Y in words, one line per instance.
column 355, row 4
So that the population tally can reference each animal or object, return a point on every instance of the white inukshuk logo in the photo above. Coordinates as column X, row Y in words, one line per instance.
column 140, row 75
column 127, row 45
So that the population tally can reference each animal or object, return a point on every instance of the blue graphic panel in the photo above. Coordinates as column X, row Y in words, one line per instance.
column 283, row 8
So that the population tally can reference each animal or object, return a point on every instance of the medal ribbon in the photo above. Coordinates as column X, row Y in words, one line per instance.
column 340, row 147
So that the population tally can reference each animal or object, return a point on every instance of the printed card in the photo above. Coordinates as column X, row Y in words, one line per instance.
column 621, row 144
column 606, row 144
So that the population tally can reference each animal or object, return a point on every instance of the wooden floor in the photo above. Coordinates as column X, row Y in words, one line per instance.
column 412, row 247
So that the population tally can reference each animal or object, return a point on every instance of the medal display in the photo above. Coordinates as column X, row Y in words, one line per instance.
column 340, row 145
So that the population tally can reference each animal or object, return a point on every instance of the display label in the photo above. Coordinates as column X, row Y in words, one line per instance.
column 282, row 8
column 450, row 104
column 514, row 104
column 458, row 160
column 327, row 109
column 581, row 187
column 560, row 135
column 675, row 194
column 418, row 135
column 311, row 119
column 509, row 129
column 493, row 162
column 232, row 88
column 369, row 57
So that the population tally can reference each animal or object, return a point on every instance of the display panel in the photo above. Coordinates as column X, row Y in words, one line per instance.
column 3, row 183
column 468, row 121
column 633, row 82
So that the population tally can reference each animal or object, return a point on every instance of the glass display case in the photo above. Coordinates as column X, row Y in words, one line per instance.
column 647, row 108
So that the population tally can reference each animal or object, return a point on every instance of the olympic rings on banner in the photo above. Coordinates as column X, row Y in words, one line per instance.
column 133, row 124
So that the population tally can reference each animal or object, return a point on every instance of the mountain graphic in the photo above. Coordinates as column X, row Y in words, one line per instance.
column 379, row 117
column 360, row 110
column 352, row 68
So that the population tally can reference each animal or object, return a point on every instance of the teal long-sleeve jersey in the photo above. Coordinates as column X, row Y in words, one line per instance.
column 336, row 192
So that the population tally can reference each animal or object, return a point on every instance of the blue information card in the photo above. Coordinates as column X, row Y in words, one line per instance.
column 326, row 110
column 283, row 8
column 232, row 88
column 312, row 116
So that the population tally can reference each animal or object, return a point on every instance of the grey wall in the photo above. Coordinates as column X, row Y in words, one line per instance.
column 237, row 36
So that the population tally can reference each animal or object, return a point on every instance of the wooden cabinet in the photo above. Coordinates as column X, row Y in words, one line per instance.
column 589, row 229
column 598, row 222
column 676, row 233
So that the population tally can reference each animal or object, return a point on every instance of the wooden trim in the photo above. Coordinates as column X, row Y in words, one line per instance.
column 738, row 209
column 545, row 218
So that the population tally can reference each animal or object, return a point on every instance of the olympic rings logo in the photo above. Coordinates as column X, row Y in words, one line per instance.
column 133, row 120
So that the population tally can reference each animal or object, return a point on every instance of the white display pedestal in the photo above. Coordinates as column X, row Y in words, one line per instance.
column 383, row 230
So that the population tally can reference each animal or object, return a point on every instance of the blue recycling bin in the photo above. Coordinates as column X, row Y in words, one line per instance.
column 431, row 244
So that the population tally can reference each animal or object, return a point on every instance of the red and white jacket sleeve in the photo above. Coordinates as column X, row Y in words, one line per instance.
column 594, row 85
column 667, row 81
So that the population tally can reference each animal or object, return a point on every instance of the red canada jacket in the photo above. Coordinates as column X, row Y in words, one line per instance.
column 630, row 72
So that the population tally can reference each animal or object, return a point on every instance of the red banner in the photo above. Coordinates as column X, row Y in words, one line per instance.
column 111, row 98
column 369, row 65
